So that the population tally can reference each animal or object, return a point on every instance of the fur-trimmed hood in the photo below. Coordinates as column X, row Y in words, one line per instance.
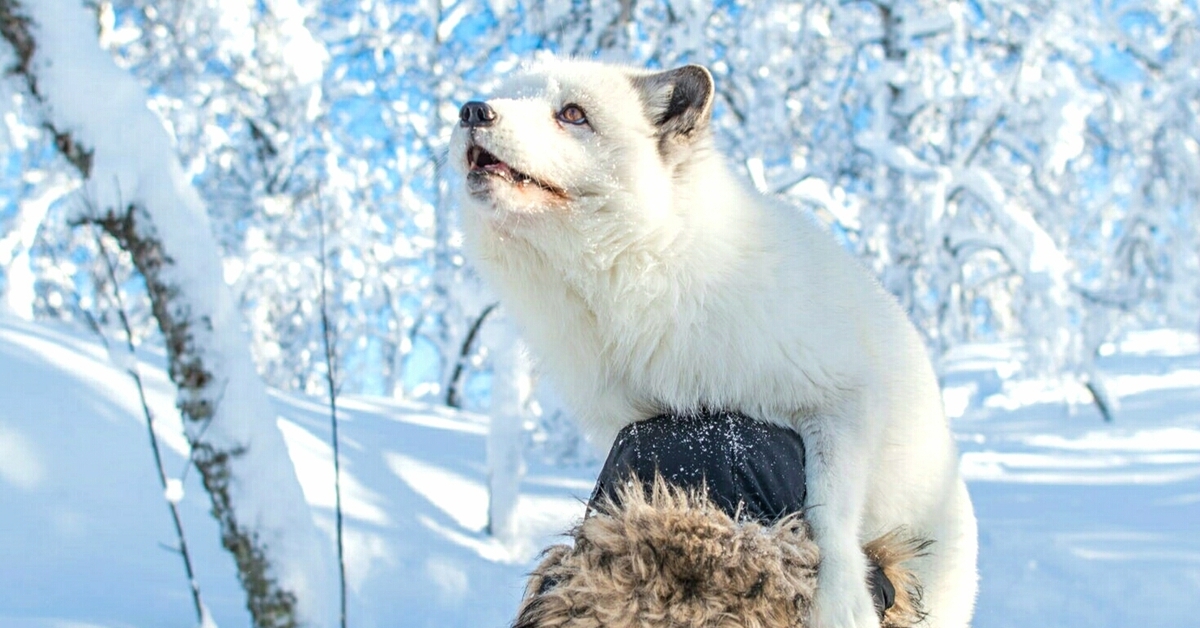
column 667, row 557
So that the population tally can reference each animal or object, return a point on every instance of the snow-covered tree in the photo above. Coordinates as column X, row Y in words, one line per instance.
column 138, row 194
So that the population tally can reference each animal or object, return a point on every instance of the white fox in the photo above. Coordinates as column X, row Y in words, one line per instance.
column 648, row 278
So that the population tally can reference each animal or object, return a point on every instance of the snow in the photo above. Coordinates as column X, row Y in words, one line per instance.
column 819, row 193
column 15, row 247
column 1069, row 108
column 206, row 619
column 1082, row 523
column 895, row 155
column 173, row 493
column 450, row 22
column 306, row 56
column 20, row 465
column 754, row 166
column 84, row 545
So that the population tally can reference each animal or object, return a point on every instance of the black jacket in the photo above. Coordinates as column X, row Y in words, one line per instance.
column 752, row 470
column 739, row 461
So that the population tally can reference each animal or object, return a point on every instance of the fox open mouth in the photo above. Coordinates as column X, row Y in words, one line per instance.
column 481, row 163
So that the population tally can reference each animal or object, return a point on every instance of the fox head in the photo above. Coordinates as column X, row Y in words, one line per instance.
column 576, row 145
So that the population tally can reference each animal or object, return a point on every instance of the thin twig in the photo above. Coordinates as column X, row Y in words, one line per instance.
column 330, row 377
column 134, row 372
column 453, row 398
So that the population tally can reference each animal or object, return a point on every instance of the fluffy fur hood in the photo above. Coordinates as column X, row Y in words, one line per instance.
column 671, row 558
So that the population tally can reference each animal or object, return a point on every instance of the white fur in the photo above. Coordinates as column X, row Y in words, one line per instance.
column 663, row 282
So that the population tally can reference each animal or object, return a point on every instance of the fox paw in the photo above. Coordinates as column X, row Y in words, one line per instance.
column 845, row 606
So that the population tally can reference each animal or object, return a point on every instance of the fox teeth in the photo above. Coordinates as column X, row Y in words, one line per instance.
column 480, row 159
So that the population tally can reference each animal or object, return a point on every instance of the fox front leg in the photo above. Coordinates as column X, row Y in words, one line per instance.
column 836, row 479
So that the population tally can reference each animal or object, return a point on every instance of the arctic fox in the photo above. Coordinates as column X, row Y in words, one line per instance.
column 648, row 278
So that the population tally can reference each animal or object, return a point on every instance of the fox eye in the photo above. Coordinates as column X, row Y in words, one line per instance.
column 572, row 114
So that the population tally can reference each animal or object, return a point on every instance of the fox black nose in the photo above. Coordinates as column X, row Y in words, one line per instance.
column 476, row 113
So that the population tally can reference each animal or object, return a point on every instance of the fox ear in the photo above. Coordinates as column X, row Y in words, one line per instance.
column 678, row 102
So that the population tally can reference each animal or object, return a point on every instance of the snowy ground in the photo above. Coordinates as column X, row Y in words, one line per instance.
column 1081, row 523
